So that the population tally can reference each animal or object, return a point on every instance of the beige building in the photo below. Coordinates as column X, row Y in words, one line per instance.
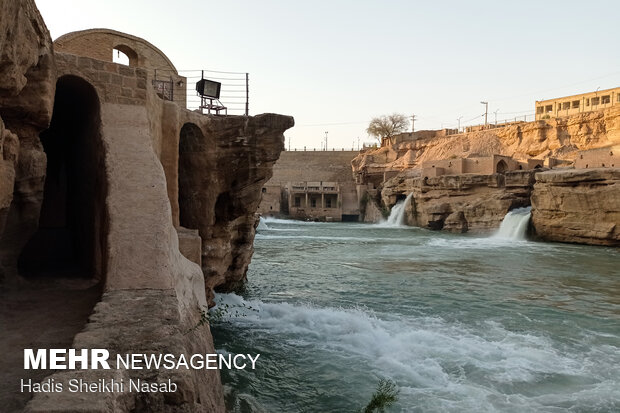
column 608, row 157
column 315, row 200
column 570, row 105
column 487, row 165
column 315, row 185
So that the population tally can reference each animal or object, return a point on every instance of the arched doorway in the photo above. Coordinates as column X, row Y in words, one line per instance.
column 71, row 238
column 501, row 167
column 191, row 150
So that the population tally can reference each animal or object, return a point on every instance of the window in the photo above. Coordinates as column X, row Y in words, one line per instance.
column 618, row 95
column 264, row 190
column 575, row 104
column 313, row 202
column 595, row 101
column 588, row 102
column 549, row 108
column 539, row 110
column 565, row 105
column 328, row 203
column 297, row 201
column 605, row 99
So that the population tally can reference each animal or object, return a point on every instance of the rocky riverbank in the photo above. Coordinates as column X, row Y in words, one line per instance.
column 568, row 205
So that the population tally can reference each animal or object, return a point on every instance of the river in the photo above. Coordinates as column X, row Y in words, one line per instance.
column 460, row 323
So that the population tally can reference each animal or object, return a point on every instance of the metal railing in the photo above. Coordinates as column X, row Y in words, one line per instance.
column 234, row 93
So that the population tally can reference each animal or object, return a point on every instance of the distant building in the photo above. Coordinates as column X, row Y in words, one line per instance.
column 608, row 157
column 495, row 164
column 312, row 185
column 570, row 105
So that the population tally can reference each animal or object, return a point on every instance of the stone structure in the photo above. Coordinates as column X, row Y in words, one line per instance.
column 314, row 200
column 99, row 178
column 571, row 105
column 100, row 44
column 315, row 185
column 608, row 157
column 478, row 165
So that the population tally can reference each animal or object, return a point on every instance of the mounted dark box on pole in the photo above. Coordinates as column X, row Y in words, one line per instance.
column 208, row 88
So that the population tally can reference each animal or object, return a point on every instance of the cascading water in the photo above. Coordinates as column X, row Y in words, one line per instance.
column 333, row 308
column 262, row 225
column 397, row 214
column 515, row 223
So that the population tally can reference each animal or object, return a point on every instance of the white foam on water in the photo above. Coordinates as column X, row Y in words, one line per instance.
column 272, row 220
column 322, row 238
column 441, row 366
column 262, row 225
column 397, row 214
column 515, row 224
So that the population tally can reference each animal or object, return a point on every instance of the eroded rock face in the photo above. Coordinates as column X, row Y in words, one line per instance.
column 578, row 205
column 560, row 138
column 223, row 164
column 460, row 203
column 27, row 82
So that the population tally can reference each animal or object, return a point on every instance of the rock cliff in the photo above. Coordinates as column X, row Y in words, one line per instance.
column 559, row 138
column 578, row 205
column 27, row 83
column 460, row 203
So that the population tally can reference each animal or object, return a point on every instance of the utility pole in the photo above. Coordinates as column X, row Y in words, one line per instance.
column 412, row 122
column 486, row 112
column 289, row 143
column 326, row 132
column 496, row 116
column 459, row 121
column 358, row 143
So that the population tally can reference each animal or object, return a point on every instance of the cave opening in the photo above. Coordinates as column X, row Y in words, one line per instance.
column 191, row 145
column 71, row 237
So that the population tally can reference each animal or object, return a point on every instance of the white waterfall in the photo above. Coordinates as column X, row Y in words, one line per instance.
column 515, row 223
column 262, row 225
column 397, row 214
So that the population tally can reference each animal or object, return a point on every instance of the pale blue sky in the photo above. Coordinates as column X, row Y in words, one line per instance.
column 333, row 65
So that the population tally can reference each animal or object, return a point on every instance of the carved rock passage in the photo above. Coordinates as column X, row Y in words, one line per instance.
column 578, row 205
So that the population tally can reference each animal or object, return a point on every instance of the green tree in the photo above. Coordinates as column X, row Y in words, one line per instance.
column 386, row 126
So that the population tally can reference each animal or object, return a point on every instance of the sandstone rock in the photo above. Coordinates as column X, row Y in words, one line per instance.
column 27, row 82
column 461, row 203
column 561, row 138
column 578, row 205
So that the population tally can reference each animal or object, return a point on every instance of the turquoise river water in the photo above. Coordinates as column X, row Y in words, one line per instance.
column 459, row 323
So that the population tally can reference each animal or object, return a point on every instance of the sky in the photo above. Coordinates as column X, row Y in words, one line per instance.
column 334, row 65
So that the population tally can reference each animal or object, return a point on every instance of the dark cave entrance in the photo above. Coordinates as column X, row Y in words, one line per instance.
column 71, row 238
column 191, row 146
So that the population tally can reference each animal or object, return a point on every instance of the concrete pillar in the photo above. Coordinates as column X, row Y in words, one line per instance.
column 322, row 200
column 306, row 205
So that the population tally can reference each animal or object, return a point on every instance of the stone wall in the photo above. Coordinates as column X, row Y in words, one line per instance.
column 298, row 166
column 99, row 44
column 114, row 83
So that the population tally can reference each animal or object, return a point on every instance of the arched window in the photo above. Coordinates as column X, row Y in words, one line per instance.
column 125, row 55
